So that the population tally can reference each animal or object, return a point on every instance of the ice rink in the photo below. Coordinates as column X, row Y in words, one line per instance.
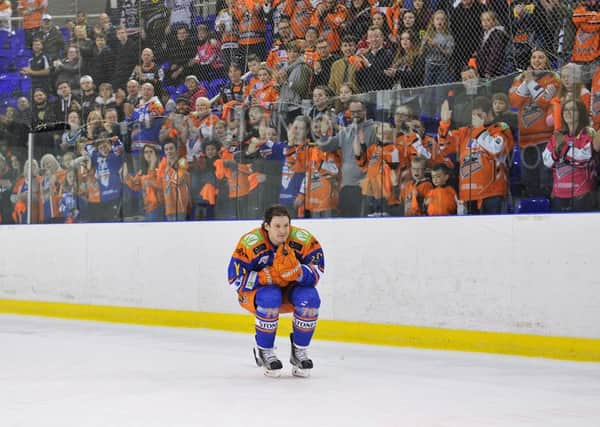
column 72, row 373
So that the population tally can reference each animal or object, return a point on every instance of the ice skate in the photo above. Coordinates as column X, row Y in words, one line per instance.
column 301, row 363
column 268, row 360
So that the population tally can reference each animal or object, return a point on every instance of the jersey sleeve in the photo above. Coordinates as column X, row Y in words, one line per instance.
column 241, row 272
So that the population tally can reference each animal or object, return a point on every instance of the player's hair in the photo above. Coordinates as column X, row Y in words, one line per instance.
column 273, row 211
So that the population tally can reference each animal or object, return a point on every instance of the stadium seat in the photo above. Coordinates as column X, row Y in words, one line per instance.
column 9, row 83
column 532, row 205
column 25, row 85
column 66, row 34
column 215, row 86
column 4, row 40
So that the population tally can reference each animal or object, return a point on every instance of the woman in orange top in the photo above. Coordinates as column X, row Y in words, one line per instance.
column 264, row 92
column 147, row 181
column 531, row 94
column 174, row 181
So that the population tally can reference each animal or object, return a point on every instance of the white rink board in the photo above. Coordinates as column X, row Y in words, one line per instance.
column 522, row 274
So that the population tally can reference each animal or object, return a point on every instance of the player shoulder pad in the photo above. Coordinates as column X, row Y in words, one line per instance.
column 252, row 239
column 299, row 238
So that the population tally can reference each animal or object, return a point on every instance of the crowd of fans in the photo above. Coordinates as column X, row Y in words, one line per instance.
column 333, row 108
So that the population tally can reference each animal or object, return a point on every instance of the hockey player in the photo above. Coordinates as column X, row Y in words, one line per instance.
column 275, row 269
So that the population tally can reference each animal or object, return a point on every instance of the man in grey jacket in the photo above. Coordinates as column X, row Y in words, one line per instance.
column 350, row 195
column 294, row 85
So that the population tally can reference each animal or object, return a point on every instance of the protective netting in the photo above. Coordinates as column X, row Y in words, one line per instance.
column 184, row 110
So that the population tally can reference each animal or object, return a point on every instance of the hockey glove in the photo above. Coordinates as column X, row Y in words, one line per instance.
column 286, row 264
column 270, row 276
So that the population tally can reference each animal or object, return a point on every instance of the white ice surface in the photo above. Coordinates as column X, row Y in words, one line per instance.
column 71, row 373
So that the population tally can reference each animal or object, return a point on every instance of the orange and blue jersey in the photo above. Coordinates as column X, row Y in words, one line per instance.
column 255, row 251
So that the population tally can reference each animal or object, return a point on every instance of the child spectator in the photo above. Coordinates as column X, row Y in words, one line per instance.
column 442, row 199
column 502, row 113
column 414, row 190
column 570, row 156
column 70, row 137
column 347, row 90
column 228, row 36
column 263, row 92
column 380, row 162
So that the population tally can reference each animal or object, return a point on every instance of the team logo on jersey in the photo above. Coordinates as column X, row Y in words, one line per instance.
column 263, row 259
column 583, row 37
column 250, row 239
column 470, row 165
column 531, row 114
column 302, row 236
column 259, row 248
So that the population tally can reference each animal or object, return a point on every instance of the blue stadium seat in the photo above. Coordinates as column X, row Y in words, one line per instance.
column 215, row 86
column 9, row 83
column 533, row 205
column 4, row 40
column 25, row 85
column 18, row 39
column 66, row 34
column 210, row 21
column 171, row 90
column 180, row 89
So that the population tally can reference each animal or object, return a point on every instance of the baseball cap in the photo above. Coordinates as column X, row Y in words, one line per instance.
column 182, row 99
column 46, row 16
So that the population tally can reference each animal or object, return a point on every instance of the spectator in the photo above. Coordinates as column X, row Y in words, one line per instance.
column 408, row 23
column 551, row 18
column 374, row 61
column 51, row 177
column 207, row 63
column 43, row 114
column 523, row 33
column 358, row 21
column 133, row 93
column 20, row 194
column 465, row 18
column 23, row 113
column 174, row 180
column 437, row 48
column 126, row 50
column 5, row 15
column 194, row 89
column 94, row 126
column 423, row 14
column 66, row 102
column 69, row 69
column 228, row 36
column 321, row 102
column 408, row 67
column 344, row 69
column 88, row 96
column 234, row 91
column 531, row 94
column 502, row 113
column 571, row 88
column 102, row 61
column 379, row 163
column 71, row 136
column 32, row 12
column 147, row 71
column 249, row 19
column 52, row 37
column 147, row 181
column 442, row 199
column 570, row 156
column 38, row 69
column 294, row 85
column 322, row 66
column 327, row 18
column 124, row 14
column 154, row 22
column 182, row 13
column 363, row 129
column 180, row 52
column 310, row 45
column 146, row 122
column 492, row 56
column 7, row 181
column 85, row 46
column 12, row 132
column 174, row 126
column 106, row 160
column 482, row 152
column 106, row 98
column 108, row 29
column 263, row 93
column 347, row 90
column 278, row 56
column 461, row 96
column 414, row 190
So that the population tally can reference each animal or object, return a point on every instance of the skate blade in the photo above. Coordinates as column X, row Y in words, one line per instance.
column 302, row 373
column 272, row 373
